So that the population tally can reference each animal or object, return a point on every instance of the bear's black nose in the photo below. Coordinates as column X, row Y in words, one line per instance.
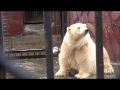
column 86, row 30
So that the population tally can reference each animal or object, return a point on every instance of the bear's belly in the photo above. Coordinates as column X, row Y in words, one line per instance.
column 77, row 59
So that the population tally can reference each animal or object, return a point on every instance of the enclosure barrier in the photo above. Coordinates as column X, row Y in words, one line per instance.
column 22, row 74
column 99, row 45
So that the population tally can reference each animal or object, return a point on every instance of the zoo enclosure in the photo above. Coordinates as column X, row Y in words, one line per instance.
column 50, row 51
column 62, row 19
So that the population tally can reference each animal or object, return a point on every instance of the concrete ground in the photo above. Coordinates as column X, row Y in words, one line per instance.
column 35, row 39
column 38, row 67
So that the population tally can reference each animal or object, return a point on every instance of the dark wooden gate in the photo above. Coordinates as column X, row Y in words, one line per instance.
column 33, row 17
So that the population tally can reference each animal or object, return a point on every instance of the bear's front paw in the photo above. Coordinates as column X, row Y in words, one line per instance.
column 81, row 76
column 108, row 69
column 61, row 74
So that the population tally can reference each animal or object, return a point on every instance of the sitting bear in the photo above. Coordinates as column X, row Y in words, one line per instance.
column 78, row 52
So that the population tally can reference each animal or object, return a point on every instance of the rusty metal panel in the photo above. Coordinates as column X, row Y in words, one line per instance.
column 111, row 29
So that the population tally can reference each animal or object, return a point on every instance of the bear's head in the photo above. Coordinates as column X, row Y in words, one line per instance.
column 77, row 30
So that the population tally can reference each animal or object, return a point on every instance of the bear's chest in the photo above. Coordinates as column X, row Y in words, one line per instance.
column 77, row 57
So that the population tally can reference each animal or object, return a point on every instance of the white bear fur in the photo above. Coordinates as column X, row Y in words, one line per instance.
column 78, row 51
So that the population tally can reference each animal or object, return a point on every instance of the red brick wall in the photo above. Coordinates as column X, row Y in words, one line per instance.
column 13, row 20
column 6, row 22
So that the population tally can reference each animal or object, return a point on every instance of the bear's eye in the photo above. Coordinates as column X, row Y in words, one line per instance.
column 78, row 27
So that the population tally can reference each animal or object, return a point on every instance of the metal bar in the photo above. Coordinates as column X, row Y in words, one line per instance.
column 63, row 24
column 48, row 36
column 14, row 54
column 21, row 54
column 34, row 53
column 39, row 53
column 8, row 54
column 99, row 45
column 2, row 69
column 28, row 54
column 58, row 21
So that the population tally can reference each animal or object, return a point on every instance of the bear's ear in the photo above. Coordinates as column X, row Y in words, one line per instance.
column 68, row 28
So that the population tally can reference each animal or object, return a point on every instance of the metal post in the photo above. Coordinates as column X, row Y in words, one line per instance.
column 63, row 24
column 2, row 70
column 48, row 37
column 99, row 45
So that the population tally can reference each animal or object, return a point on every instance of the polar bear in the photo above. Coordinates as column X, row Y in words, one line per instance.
column 78, row 52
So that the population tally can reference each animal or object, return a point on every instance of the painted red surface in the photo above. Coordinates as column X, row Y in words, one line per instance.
column 54, row 28
column 16, row 22
column 54, row 19
column 111, row 29
column 13, row 22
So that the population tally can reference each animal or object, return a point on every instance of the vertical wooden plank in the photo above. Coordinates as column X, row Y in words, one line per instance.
column 2, row 69
column 99, row 45
column 48, row 36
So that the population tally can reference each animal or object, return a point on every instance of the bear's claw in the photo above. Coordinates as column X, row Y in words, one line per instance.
column 61, row 74
column 108, row 69
column 81, row 76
